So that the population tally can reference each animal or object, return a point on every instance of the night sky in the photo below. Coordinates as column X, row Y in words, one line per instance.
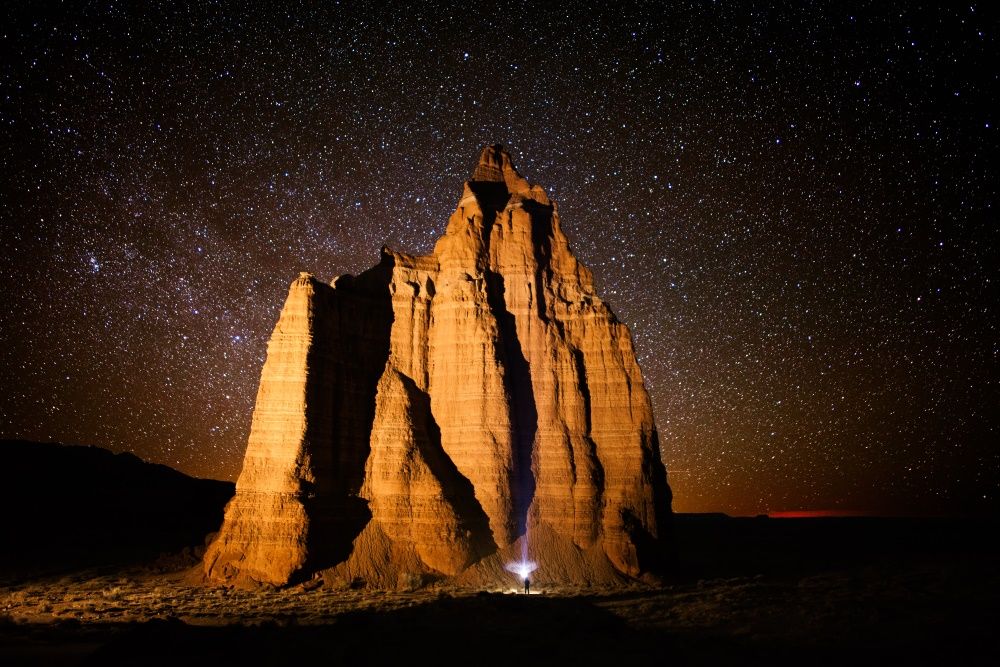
column 793, row 209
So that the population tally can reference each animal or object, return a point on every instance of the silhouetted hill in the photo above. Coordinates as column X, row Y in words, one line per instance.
column 716, row 545
column 65, row 506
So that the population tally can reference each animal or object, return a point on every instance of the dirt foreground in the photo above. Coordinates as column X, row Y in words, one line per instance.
column 922, row 612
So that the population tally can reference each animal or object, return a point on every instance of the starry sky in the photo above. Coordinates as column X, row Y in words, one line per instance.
column 793, row 207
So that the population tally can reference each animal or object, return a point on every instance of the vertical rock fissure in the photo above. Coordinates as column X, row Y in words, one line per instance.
column 524, row 411
column 345, row 365
column 597, row 471
column 581, row 378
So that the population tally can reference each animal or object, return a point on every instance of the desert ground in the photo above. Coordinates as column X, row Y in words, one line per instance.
column 777, row 591
column 99, row 550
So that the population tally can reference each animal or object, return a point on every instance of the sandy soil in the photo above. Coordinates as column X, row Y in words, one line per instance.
column 924, row 612
column 744, row 590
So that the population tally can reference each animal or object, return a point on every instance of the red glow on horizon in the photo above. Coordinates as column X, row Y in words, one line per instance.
column 815, row 514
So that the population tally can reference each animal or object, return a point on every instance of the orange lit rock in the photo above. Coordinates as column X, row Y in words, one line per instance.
column 438, row 415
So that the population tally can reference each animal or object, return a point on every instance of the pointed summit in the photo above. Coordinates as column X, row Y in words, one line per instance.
column 493, row 161
column 495, row 166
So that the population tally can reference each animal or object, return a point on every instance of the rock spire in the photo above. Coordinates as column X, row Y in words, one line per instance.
column 438, row 416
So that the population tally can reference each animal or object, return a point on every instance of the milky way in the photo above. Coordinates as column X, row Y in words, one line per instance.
column 793, row 210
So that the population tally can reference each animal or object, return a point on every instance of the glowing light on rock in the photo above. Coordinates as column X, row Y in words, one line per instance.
column 522, row 568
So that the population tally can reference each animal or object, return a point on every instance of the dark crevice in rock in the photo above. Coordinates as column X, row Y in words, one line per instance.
column 521, row 397
column 346, row 359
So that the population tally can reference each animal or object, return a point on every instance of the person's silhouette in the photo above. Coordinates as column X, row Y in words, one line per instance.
column 527, row 586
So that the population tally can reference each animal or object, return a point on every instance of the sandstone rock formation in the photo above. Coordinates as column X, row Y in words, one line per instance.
column 441, row 415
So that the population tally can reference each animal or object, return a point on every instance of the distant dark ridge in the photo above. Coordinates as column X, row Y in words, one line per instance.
column 64, row 506
column 712, row 545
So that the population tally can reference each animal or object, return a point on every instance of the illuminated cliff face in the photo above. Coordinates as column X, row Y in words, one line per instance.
column 438, row 415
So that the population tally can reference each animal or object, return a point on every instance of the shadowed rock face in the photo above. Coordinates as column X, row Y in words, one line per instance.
column 438, row 415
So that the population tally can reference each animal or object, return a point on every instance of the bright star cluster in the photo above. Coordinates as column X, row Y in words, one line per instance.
column 793, row 208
